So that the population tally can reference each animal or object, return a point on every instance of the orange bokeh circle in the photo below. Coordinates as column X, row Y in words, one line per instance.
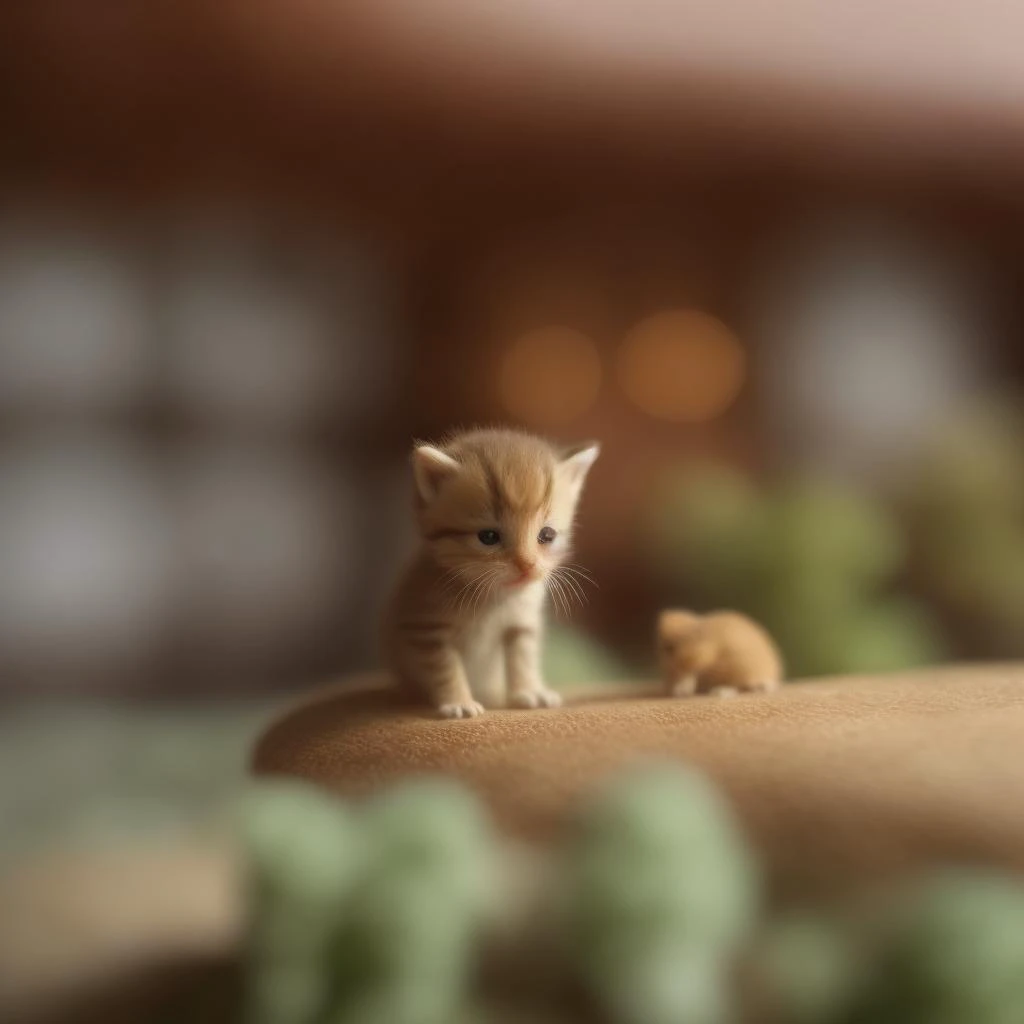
column 682, row 365
column 550, row 376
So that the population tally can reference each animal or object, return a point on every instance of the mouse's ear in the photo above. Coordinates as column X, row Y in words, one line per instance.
column 674, row 621
column 430, row 468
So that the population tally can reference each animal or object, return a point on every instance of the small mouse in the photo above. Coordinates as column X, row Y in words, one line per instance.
column 721, row 653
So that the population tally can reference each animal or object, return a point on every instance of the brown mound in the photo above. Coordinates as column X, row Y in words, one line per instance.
column 836, row 780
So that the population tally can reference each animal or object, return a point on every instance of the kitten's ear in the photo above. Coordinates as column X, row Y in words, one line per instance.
column 430, row 467
column 576, row 462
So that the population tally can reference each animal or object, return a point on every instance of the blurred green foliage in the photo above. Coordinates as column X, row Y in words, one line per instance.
column 367, row 917
column 810, row 558
column 661, row 891
column 806, row 968
column 304, row 852
column 572, row 657
column 965, row 506
column 381, row 913
column 405, row 949
column 94, row 773
column 952, row 953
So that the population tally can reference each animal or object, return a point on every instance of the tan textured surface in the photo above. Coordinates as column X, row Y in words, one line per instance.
column 836, row 781
column 90, row 926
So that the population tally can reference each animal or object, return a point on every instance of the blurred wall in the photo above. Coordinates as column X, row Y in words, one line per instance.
column 197, row 425
column 247, row 251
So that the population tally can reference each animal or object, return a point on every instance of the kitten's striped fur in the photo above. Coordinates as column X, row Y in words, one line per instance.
column 467, row 616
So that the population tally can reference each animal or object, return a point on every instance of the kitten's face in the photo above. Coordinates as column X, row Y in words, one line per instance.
column 497, row 507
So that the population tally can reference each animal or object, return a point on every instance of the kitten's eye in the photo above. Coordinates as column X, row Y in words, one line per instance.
column 489, row 537
column 547, row 535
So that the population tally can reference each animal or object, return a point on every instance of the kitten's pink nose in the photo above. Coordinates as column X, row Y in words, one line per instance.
column 527, row 568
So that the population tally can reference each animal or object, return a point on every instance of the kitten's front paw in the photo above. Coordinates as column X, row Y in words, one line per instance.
column 541, row 697
column 469, row 710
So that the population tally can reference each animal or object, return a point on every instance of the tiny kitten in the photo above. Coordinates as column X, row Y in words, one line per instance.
column 721, row 653
column 495, row 511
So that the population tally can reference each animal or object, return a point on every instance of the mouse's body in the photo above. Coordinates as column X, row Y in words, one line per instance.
column 721, row 653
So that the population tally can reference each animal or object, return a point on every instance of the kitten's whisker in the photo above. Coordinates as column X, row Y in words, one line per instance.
column 452, row 596
column 483, row 587
column 452, row 580
column 480, row 590
column 553, row 591
column 582, row 574
column 549, row 586
column 568, row 599
column 576, row 588
column 492, row 581
column 558, row 594
column 451, row 583
column 570, row 595
column 567, row 584
column 465, row 598
column 482, row 582
column 578, row 570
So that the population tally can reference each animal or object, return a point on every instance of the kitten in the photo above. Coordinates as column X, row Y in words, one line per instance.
column 721, row 653
column 495, row 511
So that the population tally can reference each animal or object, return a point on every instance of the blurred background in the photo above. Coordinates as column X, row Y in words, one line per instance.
column 248, row 251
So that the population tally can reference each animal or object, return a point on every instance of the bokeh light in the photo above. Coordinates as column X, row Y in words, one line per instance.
column 74, row 334
column 85, row 542
column 876, row 335
column 681, row 365
column 250, row 354
column 550, row 376
column 264, row 542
